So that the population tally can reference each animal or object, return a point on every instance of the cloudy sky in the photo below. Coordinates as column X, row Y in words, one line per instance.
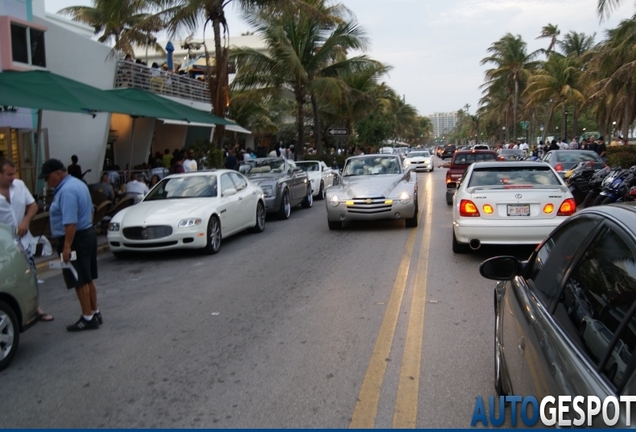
column 435, row 46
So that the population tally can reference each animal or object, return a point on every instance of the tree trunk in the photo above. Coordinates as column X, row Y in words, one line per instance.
column 317, row 129
column 564, row 132
column 218, row 83
column 514, row 111
column 300, row 114
column 575, row 121
column 547, row 125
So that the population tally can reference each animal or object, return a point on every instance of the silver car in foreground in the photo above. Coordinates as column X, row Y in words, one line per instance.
column 373, row 187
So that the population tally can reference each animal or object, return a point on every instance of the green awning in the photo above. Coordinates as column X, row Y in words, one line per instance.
column 44, row 90
column 187, row 113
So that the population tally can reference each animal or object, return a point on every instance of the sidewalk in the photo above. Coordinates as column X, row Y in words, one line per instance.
column 42, row 263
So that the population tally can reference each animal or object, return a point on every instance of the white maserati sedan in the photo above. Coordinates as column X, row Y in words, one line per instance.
column 509, row 203
column 189, row 211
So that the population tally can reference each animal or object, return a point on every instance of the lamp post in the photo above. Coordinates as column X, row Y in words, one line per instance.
column 613, row 129
column 503, row 134
column 565, row 132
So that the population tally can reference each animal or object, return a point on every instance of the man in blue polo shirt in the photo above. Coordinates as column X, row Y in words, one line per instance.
column 71, row 216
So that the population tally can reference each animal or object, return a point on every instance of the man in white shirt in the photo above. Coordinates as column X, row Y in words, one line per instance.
column 190, row 164
column 136, row 189
column 17, row 208
column 563, row 145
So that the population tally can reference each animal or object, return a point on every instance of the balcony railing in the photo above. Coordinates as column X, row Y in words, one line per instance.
column 161, row 82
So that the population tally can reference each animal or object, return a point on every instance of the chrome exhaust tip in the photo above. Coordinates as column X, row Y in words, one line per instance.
column 474, row 244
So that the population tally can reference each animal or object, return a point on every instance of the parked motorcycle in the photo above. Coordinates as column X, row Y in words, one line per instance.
column 596, row 186
column 579, row 181
column 611, row 186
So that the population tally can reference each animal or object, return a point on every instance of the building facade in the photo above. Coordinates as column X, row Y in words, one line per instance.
column 443, row 123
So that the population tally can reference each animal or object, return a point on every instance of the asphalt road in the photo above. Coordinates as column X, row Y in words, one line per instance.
column 375, row 325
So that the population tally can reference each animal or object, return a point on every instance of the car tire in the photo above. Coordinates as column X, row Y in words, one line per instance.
column 321, row 191
column 449, row 200
column 334, row 225
column 608, row 200
column 412, row 222
column 598, row 200
column 589, row 199
column 214, row 236
column 459, row 248
column 259, row 226
column 9, row 335
column 308, row 201
column 285, row 206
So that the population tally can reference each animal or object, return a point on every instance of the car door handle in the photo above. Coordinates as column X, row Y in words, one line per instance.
column 240, row 198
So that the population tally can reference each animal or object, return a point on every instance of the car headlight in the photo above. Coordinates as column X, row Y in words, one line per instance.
column 334, row 201
column 407, row 162
column 113, row 226
column 189, row 222
column 267, row 190
column 405, row 198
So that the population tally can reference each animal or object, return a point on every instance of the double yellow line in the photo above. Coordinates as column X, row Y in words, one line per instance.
column 405, row 413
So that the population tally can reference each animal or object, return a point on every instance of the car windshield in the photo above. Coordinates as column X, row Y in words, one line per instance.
column 373, row 165
column 574, row 156
column 263, row 166
column 308, row 166
column 419, row 154
column 197, row 186
column 503, row 177
column 469, row 158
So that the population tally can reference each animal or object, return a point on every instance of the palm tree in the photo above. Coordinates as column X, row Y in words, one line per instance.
column 555, row 84
column 126, row 22
column 551, row 32
column 304, row 57
column 610, row 74
column 605, row 7
column 512, row 68
column 359, row 97
column 576, row 44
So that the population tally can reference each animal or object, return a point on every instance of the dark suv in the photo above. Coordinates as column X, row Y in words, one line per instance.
column 449, row 151
column 458, row 165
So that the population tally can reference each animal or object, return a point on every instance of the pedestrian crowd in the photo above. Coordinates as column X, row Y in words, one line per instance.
column 592, row 143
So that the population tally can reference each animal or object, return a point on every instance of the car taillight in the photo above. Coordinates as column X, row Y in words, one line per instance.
column 468, row 208
column 448, row 177
column 559, row 167
column 568, row 207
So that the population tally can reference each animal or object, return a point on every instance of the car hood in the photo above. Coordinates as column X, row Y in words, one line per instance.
column 418, row 158
column 259, row 178
column 370, row 186
column 165, row 211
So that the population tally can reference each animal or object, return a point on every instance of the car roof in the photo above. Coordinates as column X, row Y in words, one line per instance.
column 511, row 164
column 460, row 152
column 621, row 213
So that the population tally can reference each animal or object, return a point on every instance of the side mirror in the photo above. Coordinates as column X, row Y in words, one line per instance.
column 445, row 165
column 229, row 192
column 500, row 268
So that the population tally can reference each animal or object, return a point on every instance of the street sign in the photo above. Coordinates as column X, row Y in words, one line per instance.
column 338, row 131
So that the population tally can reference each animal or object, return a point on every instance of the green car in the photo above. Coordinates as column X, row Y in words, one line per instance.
column 18, row 295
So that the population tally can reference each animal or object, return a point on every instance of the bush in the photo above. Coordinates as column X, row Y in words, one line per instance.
column 623, row 156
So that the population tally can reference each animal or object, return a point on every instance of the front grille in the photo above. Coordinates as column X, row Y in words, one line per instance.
column 147, row 233
column 373, row 205
column 150, row 245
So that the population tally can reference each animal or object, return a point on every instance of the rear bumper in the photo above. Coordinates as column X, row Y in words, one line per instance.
column 495, row 232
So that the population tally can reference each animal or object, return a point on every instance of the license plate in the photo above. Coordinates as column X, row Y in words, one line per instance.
column 519, row 210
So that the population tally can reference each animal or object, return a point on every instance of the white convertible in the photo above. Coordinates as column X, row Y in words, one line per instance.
column 194, row 211
column 508, row 203
column 320, row 176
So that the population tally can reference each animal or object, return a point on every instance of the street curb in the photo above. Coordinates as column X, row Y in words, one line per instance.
column 44, row 265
